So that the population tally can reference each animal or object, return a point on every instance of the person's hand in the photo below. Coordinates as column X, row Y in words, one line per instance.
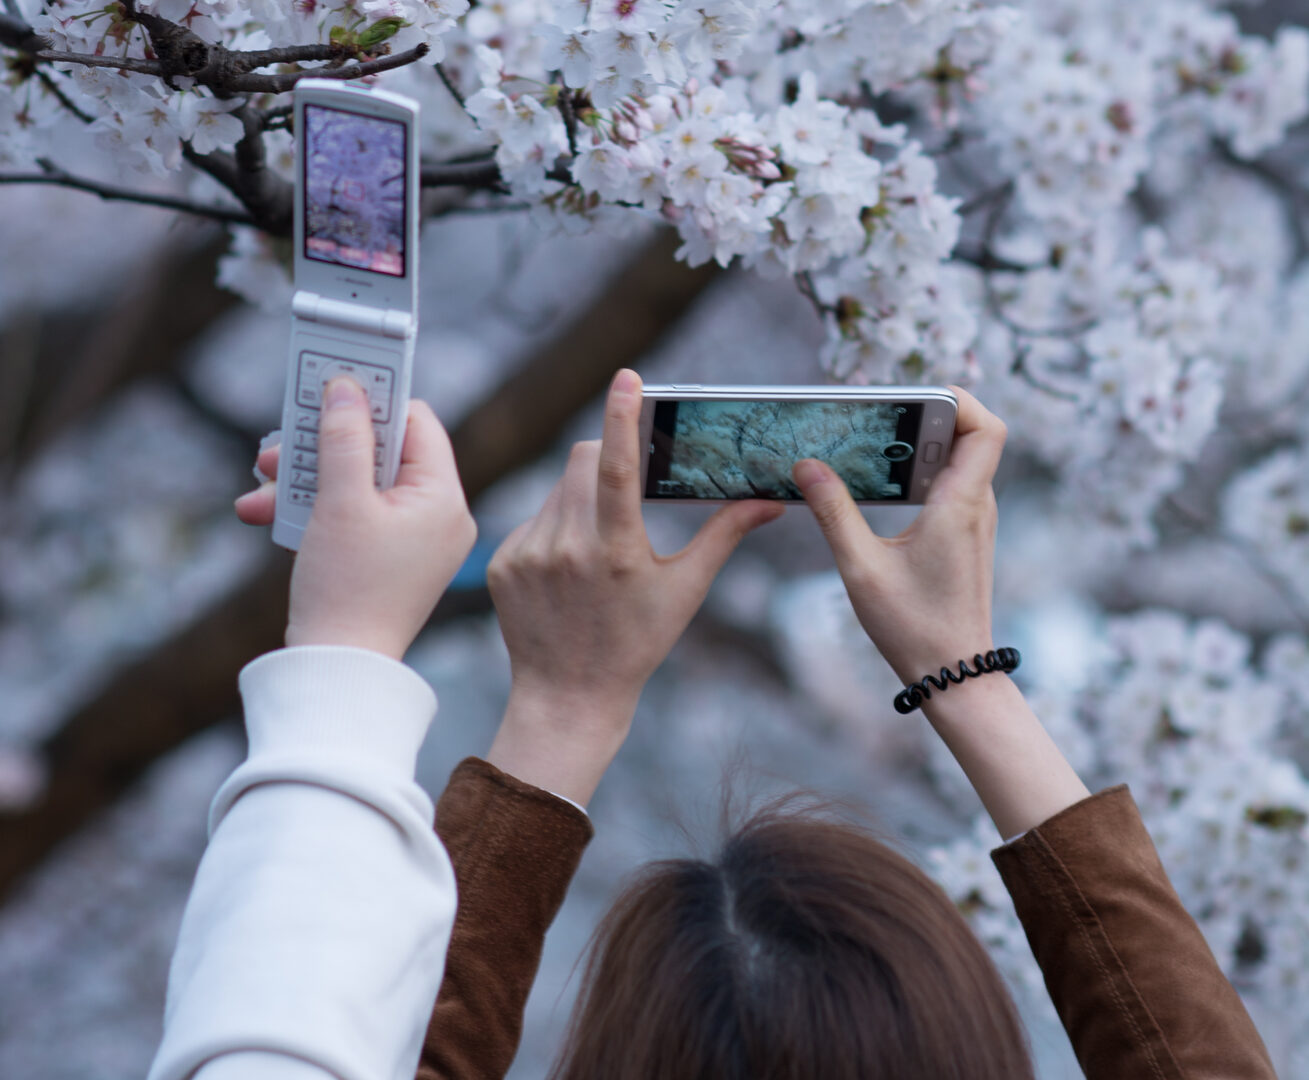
column 588, row 610
column 924, row 597
column 372, row 564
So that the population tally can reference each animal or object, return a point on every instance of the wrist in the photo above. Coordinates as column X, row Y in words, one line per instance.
column 915, row 665
column 560, row 742
column 347, row 634
column 994, row 692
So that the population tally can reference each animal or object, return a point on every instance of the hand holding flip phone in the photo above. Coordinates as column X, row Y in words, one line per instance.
column 719, row 443
column 356, row 278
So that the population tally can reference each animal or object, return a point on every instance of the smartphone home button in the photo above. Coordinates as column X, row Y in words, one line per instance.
column 932, row 453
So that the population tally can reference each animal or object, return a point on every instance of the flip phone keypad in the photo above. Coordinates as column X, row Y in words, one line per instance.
column 315, row 371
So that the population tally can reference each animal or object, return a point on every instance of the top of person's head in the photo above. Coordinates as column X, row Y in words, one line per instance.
column 806, row 949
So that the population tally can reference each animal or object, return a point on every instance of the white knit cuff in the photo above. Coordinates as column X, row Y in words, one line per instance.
column 337, row 701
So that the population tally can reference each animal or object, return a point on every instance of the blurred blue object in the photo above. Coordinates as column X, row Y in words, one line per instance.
column 472, row 575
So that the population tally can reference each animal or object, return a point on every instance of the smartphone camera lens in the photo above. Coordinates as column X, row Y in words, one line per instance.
column 897, row 451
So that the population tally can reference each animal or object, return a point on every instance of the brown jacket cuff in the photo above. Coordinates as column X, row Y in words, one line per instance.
column 1127, row 968
column 515, row 849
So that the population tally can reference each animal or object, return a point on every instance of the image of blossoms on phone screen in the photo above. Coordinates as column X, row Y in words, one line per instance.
column 354, row 190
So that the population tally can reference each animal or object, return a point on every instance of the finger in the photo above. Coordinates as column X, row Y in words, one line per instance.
column 618, row 493
column 718, row 537
column 979, row 437
column 426, row 457
column 577, row 504
column 844, row 527
column 538, row 530
column 345, row 443
column 258, row 507
column 268, row 460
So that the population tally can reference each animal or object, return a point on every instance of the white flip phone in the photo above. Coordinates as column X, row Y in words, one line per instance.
column 720, row 443
column 354, row 311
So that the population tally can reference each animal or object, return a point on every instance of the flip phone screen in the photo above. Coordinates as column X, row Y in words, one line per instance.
column 354, row 190
column 745, row 449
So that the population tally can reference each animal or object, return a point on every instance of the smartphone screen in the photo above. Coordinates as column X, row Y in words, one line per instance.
column 354, row 190
column 745, row 449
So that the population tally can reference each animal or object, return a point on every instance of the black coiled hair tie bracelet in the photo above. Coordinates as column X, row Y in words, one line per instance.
column 913, row 695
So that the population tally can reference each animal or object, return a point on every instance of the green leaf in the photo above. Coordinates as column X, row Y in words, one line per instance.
column 380, row 31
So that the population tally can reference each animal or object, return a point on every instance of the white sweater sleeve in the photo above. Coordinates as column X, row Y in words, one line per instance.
column 314, row 939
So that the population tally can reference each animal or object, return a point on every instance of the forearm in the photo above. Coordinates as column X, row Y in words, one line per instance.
column 317, row 926
column 1128, row 970
column 515, row 849
column 1017, row 770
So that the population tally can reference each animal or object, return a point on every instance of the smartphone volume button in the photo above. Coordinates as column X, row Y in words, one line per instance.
column 687, row 386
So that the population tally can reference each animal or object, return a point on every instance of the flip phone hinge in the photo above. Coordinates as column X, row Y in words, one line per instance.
column 369, row 320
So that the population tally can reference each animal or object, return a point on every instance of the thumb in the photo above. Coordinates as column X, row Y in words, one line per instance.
column 844, row 527
column 345, row 442
column 718, row 537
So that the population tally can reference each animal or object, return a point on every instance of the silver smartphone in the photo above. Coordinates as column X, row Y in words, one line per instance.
column 355, row 308
column 719, row 443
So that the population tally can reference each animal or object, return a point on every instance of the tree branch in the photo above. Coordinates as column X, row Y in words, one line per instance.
column 84, row 353
column 280, row 84
column 1295, row 196
column 474, row 174
column 122, row 63
column 223, row 74
column 269, row 198
column 188, row 683
column 16, row 34
column 804, row 281
column 270, row 117
column 49, row 83
column 568, row 111
column 999, row 201
column 985, row 259
column 450, row 84
column 52, row 174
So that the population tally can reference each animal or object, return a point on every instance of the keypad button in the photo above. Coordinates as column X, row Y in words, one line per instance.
column 306, row 419
column 306, row 440
column 382, row 411
column 377, row 476
column 301, row 498
column 379, row 436
column 304, row 459
column 304, row 478
column 379, row 453
column 309, row 395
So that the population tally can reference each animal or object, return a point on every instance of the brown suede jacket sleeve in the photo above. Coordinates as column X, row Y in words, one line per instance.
column 1128, row 970
column 515, row 849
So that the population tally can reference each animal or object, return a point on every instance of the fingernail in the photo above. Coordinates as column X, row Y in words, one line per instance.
column 627, row 382
column 341, row 392
column 808, row 473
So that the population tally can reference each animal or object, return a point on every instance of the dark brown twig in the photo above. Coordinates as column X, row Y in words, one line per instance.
column 804, row 281
column 225, row 72
column 52, row 174
column 122, row 63
column 280, row 84
column 449, row 84
column 568, row 111
column 63, row 99
column 476, row 174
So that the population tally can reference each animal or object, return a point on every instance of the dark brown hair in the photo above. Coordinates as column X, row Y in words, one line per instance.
column 808, row 950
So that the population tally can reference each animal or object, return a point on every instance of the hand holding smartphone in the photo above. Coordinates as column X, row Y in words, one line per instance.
column 355, row 311
column 722, row 443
